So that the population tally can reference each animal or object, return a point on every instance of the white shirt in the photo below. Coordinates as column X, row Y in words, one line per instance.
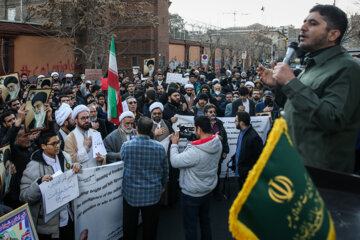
column 246, row 105
column 55, row 164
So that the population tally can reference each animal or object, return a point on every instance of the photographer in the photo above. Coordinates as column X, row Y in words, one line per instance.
column 198, row 165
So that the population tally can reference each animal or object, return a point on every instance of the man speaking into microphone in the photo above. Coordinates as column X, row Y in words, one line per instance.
column 321, row 104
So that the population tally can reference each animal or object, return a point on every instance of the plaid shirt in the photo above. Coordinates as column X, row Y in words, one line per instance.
column 145, row 171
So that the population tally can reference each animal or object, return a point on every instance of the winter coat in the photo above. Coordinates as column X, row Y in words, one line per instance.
column 30, row 191
column 198, row 165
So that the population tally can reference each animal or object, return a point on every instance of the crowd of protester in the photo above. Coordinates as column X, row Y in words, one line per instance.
column 206, row 94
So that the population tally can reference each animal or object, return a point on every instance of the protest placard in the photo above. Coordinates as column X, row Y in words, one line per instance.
column 99, row 207
column 18, row 224
column 173, row 77
column 93, row 74
column 62, row 189
column 98, row 145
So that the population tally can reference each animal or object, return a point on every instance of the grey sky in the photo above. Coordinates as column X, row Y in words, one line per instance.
column 277, row 12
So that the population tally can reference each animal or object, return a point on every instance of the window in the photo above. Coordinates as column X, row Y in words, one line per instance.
column 11, row 14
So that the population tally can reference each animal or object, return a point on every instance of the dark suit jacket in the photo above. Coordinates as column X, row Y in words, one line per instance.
column 251, row 148
column 238, row 103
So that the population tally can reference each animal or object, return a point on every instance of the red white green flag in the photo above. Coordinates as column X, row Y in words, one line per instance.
column 114, row 99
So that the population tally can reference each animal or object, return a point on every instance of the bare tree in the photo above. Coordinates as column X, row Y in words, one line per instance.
column 90, row 23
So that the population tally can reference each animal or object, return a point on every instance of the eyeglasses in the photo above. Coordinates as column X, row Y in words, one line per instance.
column 54, row 144
column 84, row 118
column 130, row 103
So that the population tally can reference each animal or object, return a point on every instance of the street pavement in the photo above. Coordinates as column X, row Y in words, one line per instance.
column 171, row 225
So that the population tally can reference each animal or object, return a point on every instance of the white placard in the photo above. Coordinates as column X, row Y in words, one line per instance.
column 184, row 81
column 165, row 143
column 98, row 145
column 174, row 77
column 99, row 207
column 59, row 191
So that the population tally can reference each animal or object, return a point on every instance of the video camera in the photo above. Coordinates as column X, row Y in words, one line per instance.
column 187, row 131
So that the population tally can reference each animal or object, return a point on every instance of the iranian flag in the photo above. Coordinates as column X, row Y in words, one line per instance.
column 114, row 98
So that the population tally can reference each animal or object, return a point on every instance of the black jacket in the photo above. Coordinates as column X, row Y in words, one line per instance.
column 223, row 134
column 251, row 148
column 170, row 110
column 238, row 103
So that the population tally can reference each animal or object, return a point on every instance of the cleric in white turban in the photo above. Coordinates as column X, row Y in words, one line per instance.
column 62, row 114
column 126, row 114
column 64, row 120
column 78, row 109
column 156, row 105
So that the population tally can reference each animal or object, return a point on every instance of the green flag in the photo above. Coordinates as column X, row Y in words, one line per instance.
column 278, row 199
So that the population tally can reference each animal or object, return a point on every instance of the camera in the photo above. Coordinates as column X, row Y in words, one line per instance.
column 187, row 131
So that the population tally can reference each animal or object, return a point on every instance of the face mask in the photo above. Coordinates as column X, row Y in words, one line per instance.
column 217, row 92
column 82, row 77
column 235, row 98
column 268, row 102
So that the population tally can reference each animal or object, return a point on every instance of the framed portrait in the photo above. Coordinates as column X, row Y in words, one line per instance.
column 10, row 87
column 44, row 83
column 18, row 224
column 5, row 168
column 149, row 67
column 36, row 102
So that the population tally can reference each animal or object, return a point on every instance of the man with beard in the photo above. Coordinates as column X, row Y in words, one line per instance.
column 116, row 138
column 228, row 104
column 257, row 96
column 174, row 106
column 250, row 86
column 190, row 95
column 14, row 105
column 150, row 98
column 55, row 76
column 38, row 104
column 12, row 84
column 202, row 100
column 243, row 103
column 11, row 124
column 160, row 81
column 321, row 104
column 66, row 123
column 248, row 149
column 79, row 142
column 24, row 81
column 161, row 128
column 217, row 127
column 96, row 123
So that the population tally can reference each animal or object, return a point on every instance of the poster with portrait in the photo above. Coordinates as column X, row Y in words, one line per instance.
column 18, row 224
column 44, row 83
column 5, row 168
column 36, row 104
column 149, row 67
column 9, row 87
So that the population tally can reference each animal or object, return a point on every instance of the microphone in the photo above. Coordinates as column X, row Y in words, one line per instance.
column 290, row 52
